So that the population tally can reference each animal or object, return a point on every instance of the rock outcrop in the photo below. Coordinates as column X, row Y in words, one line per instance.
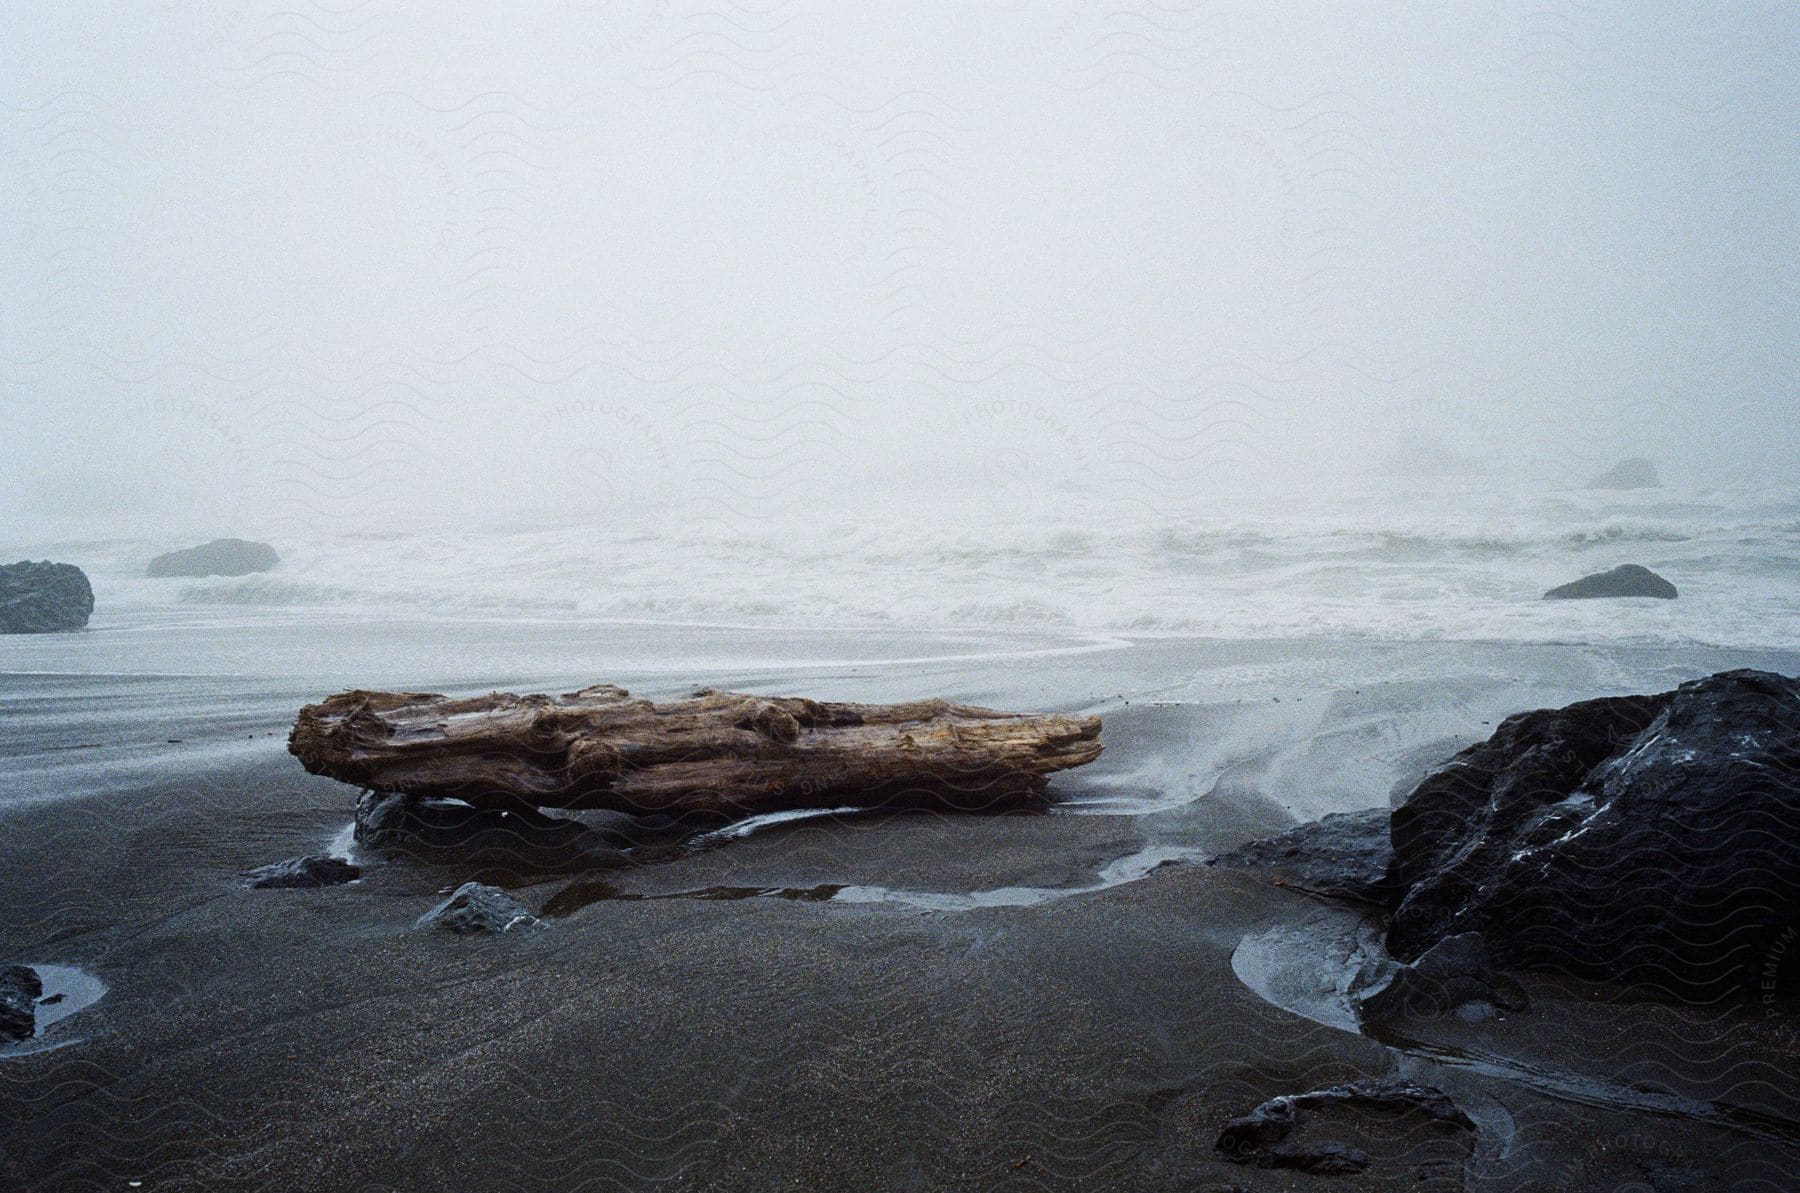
column 1626, row 580
column 43, row 597
column 475, row 908
column 1646, row 840
column 1635, row 473
column 312, row 870
column 221, row 557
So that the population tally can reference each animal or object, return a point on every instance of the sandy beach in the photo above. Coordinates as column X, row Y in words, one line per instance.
column 768, row 595
column 1033, row 1000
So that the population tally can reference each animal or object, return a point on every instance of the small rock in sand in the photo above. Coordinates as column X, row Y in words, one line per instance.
column 314, row 869
column 1369, row 1110
column 476, row 907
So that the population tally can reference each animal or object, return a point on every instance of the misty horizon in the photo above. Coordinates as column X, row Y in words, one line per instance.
column 319, row 270
column 958, row 594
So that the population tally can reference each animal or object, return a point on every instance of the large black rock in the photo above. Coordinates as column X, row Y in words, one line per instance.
column 1642, row 839
column 43, row 597
column 1648, row 840
column 1635, row 473
column 1626, row 580
column 221, row 557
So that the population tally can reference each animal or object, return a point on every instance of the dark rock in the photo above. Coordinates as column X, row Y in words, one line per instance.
column 385, row 822
column 1675, row 1178
column 516, row 842
column 314, row 869
column 1626, row 580
column 478, row 908
column 1640, row 839
column 1330, row 1159
column 19, row 991
column 221, row 557
column 1454, row 973
column 1265, row 1136
column 1635, row 473
column 43, row 597
column 1345, row 855
column 1245, row 1139
column 1486, row 789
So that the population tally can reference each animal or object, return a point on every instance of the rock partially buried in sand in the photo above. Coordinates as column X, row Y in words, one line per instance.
column 312, row 870
column 1364, row 1109
column 19, row 991
column 1634, row 473
column 43, row 597
column 221, row 557
column 1626, row 580
column 477, row 908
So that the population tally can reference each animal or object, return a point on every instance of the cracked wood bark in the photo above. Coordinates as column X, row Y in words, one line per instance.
column 722, row 753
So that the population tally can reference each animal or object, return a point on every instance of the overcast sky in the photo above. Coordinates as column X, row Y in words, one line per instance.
column 380, row 263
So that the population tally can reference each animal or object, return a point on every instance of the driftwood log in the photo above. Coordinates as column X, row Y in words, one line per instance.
column 718, row 753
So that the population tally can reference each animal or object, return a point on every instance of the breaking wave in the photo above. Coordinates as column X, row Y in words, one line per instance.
column 1424, row 565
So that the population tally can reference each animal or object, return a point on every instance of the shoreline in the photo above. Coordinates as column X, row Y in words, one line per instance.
column 688, row 1030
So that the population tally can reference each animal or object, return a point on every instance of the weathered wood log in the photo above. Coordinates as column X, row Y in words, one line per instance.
column 721, row 753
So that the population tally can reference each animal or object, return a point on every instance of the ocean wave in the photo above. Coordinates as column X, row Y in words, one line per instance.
column 266, row 591
column 1006, row 613
column 1616, row 532
column 1397, row 568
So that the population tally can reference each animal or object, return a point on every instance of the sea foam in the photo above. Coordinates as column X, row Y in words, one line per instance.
column 1388, row 565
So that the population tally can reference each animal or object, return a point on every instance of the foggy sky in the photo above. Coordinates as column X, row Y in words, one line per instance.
column 280, row 263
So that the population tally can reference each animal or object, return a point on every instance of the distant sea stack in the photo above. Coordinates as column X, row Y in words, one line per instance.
column 221, row 557
column 43, row 597
column 1626, row 580
column 1635, row 473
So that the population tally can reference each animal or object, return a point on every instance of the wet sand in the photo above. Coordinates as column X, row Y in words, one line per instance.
column 1026, row 1000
